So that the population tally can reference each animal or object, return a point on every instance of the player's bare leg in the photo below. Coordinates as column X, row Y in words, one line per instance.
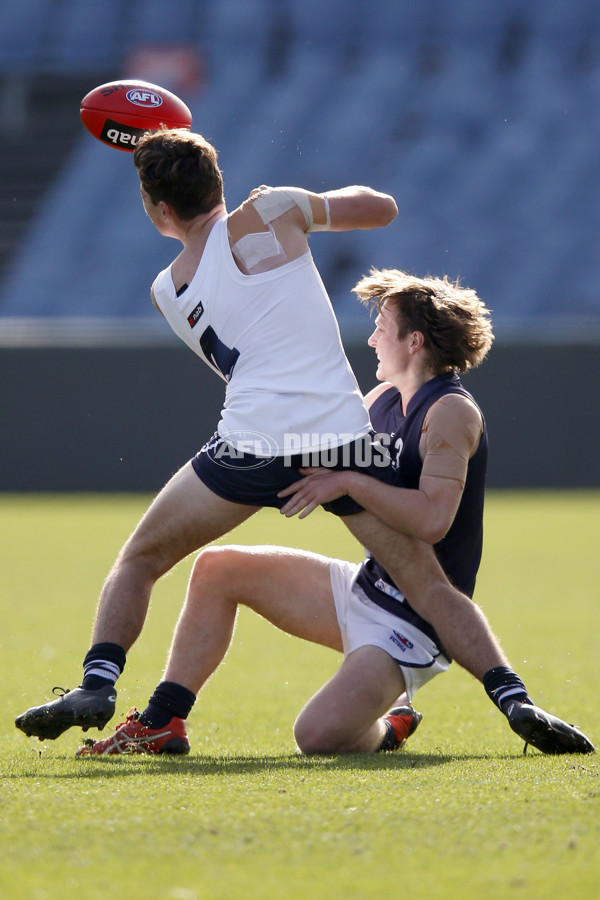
column 185, row 516
column 460, row 623
column 289, row 588
column 292, row 590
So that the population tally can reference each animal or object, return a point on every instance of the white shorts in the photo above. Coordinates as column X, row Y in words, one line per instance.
column 363, row 623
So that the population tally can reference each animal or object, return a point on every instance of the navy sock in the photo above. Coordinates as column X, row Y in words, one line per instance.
column 102, row 665
column 503, row 685
column 168, row 700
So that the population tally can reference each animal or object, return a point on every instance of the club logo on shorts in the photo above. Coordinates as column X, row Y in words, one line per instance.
column 401, row 641
column 144, row 97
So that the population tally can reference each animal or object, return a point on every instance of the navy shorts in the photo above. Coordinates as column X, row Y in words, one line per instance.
column 256, row 480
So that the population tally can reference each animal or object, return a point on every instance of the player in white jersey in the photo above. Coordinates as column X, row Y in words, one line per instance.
column 245, row 295
column 225, row 315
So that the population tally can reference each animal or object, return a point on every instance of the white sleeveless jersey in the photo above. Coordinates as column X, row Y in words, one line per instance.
column 274, row 339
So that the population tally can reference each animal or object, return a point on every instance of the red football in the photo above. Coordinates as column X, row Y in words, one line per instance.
column 120, row 112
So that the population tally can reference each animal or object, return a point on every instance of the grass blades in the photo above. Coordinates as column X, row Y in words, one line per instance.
column 460, row 814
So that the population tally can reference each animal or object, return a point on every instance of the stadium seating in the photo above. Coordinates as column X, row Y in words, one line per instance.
column 481, row 118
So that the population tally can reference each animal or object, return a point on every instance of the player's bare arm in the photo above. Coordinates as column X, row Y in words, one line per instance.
column 360, row 207
column 451, row 433
column 271, row 227
column 344, row 209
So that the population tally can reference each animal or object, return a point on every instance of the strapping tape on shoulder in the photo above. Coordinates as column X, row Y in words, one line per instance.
column 274, row 202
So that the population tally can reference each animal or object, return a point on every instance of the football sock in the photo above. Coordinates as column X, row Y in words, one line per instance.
column 503, row 685
column 102, row 665
column 168, row 700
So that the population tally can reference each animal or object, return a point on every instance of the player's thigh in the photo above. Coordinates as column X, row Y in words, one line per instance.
column 290, row 588
column 183, row 517
column 363, row 689
column 412, row 563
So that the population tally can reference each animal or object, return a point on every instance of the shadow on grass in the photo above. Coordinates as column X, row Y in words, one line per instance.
column 137, row 764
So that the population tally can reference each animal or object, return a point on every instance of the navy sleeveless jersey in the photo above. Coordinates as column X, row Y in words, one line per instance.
column 459, row 552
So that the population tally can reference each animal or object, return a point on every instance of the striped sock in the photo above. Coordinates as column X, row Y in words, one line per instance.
column 102, row 665
column 503, row 685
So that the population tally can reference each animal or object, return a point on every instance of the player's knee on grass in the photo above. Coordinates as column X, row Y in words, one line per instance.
column 312, row 742
column 316, row 737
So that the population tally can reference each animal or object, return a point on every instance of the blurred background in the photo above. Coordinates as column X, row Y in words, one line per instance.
column 481, row 117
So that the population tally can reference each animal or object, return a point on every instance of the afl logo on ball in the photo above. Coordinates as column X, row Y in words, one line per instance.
column 142, row 97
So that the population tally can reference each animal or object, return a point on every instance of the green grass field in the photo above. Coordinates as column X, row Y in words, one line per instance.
column 460, row 814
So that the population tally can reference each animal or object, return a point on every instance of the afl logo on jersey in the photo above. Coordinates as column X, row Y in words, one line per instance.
column 144, row 97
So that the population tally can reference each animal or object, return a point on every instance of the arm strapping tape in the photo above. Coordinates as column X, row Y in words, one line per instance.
column 275, row 201
column 452, row 431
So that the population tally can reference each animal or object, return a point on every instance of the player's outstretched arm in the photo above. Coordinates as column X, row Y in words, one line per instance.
column 290, row 213
column 351, row 207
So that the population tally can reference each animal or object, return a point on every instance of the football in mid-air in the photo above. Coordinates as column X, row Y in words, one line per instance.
column 120, row 112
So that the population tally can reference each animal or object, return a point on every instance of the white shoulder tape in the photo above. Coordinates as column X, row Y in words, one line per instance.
column 259, row 252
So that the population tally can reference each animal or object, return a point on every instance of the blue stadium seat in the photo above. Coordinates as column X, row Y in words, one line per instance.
column 81, row 35
column 21, row 29
column 480, row 118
